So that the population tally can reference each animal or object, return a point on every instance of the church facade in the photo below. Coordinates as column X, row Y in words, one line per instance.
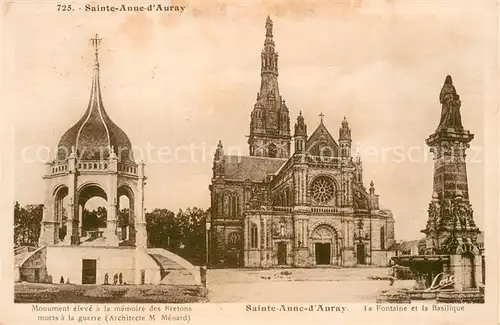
column 304, row 208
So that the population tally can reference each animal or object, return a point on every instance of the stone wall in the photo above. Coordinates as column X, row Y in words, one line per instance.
column 36, row 263
column 110, row 260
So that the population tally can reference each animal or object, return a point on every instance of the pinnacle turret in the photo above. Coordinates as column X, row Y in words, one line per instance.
column 300, row 126
column 344, row 131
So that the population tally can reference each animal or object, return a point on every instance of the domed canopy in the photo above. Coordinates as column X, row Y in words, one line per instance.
column 95, row 135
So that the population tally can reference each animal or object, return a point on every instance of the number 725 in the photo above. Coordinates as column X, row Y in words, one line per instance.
column 64, row 8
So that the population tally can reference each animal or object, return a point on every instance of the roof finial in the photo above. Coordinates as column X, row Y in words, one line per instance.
column 321, row 116
column 269, row 27
column 96, row 41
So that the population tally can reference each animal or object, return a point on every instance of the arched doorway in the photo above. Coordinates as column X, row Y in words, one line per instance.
column 233, row 253
column 325, row 248
column 92, row 212
column 125, row 215
column 468, row 271
column 60, row 212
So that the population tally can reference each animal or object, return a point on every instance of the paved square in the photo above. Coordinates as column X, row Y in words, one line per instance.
column 298, row 285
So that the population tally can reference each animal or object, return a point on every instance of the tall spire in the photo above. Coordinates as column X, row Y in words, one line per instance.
column 270, row 120
column 269, row 56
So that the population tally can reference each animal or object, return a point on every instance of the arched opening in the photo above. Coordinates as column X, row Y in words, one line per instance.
column 233, row 206
column 272, row 150
column 92, row 212
column 253, row 236
column 234, row 249
column 325, row 244
column 125, row 215
column 61, row 201
column 468, row 271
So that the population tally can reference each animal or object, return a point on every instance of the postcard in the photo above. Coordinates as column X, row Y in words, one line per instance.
column 281, row 162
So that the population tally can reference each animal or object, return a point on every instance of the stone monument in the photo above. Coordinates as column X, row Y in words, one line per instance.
column 451, row 268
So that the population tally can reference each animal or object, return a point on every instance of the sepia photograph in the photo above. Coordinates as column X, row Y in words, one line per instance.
column 286, row 157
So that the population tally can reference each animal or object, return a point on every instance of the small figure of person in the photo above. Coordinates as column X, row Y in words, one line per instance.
column 391, row 276
column 120, row 277
column 203, row 275
column 115, row 279
column 62, row 280
column 106, row 279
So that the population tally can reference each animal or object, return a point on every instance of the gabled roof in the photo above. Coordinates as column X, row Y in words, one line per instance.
column 254, row 168
column 321, row 135
column 406, row 245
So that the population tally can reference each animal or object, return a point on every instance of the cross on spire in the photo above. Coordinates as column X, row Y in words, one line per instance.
column 321, row 116
column 95, row 42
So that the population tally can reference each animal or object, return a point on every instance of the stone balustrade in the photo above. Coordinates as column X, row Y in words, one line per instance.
column 57, row 168
column 326, row 210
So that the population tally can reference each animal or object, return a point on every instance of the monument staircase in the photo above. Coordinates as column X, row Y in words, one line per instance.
column 174, row 269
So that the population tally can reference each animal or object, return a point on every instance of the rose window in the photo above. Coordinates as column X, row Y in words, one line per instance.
column 322, row 190
column 233, row 239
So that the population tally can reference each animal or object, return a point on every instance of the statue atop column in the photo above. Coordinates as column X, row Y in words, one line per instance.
column 450, row 101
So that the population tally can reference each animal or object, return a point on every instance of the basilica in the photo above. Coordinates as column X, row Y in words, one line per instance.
column 304, row 208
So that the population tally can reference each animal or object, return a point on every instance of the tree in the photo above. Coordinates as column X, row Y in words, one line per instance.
column 27, row 224
column 123, row 217
column 182, row 233
column 161, row 228
column 193, row 227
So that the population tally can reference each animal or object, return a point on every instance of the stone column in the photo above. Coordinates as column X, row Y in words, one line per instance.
column 245, row 232
column 456, row 271
column 296, row 187
column 304, row 186
column 141, row 237
column 72, row 236
column 112, row 192
column 351, row 233
column 478, row 270
column 265, row 233
column 47, row 233
column 80, row 220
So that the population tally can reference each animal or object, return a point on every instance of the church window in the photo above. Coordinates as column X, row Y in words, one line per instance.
column 326, row 152
column 272, row 150
column 220, row 203
column 253, row 236
column 323, row 190
column 234, row 239
column 282, row 230
column 382, row 237
column 234, row 206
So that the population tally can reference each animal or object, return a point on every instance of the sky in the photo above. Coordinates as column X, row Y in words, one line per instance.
column 184, row 81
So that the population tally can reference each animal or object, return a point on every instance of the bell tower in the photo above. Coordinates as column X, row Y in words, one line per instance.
column 270, row 120
column 345, row 139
